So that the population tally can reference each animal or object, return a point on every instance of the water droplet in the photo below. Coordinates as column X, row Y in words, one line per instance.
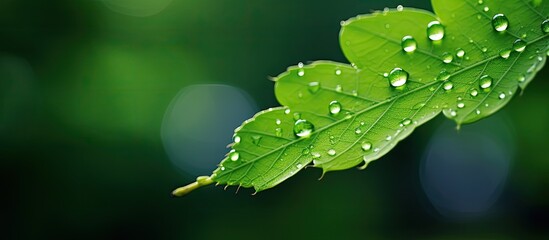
column 331, row 152
column 500, row 22
column 519, row 45
column 358, row 131
column 398, row 77
column 443, row 75
column 418, row 106
column 338, row 88
column 447, row 57
column 256, row 140
column 473, row 92
column 303, row 128
column 406, row 122
column 305, row 151
column 448, row 86
column 480, row 2
column 505, row 53
column 299, row 165
column 314, row 87
column 408, row 44
column 502, row 96
column 460, row 53
column 453, row 113
column 354, row 93
column 400, row 8
column 521, row 78
column 278, row 122
column 461, row 105
column 301, row 73
column 485, row 81
column 222, row 168
column 362, row 123
column 278, row 132
column 545, row 26
column 486, row 9
column 287, row 111
column 300, row 65
column 484, row 49
column 297, row 116
column 233, row 155
column 315, row 155
column 388, row 138
column 366, row 146
column 435, row 31
column 334, row 107
column 236, row 139
column 338, row 72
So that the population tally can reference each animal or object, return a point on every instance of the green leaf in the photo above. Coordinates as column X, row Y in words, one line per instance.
column 357, row 114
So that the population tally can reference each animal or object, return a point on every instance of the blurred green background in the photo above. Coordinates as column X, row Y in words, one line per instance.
column 85, row 84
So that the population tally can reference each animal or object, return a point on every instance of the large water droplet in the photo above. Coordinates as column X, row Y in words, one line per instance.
column 303, row 128
column 398, row 77
column 500, row 22
column 505, row 53
column 485, row 81
column 545, row 26
column 234, row 155
column 448, row 86
column 334, row 107
column 314, row 87
column 331, row 152
column 519, row 45
column 435, row 31
column 366, row 146
column 409, row 44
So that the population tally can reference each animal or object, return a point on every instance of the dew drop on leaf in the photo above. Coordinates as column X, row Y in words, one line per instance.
column 435, row 31
column 502, row 96
column 338, row 72
column 299, row 165
column 314, row 87
column 301, row 73
column 297, row 116
column 443, row 75
column 358, row 131
column 486, row 9
column 398, row 77
column 521, row 78
column 447, row 57
column 473, row 92
column 334, row 107
column 338, row 88
column 256, row 139
column 278, row 122
column 519, row 45
column 460, row 53
column 409, row 44
column 448, row 86
column 480, row 2
column 366, row 146
column 236, row 139
column 305, row 151
column 303, row 128
column 400, row 8
column 545, row 26
column 388, row 138
column 484, row 49
column 505, row 53
column 278, row 132
column 233, row 155
column 461, row 105
column 500, row 22
column 485, row 81
column 406, row 122
column 331, row 152
column 287, row 111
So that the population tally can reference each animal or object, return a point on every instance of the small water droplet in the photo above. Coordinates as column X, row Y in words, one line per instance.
column 447, row 57
column 521, row 78
column 305, row 151
column 334, row 107
column 486, row 105
column 366, row 146
column 477, row 111
column 314, row 87
column 287, row 111
column 435, row 31
column 338, row 72
column 502, row 96
column 505, row 53
column 299, row 165
column 500, row 22
column 358, row 131
column 236, row 139
column 485, row 81
column 303, row 128
column 484, row 49
column 331, row 152
column 278, row 132
column 480, row 2
column 453, row 113
column 297, row 116
column 233, row 155
column 300, row 65
column 338, row 88
column 256, row 139
column 406, row 122
column 486, row 9
column 400, row 8
column 418, row 106
column 448, row 86
column 362, row 123
column 398, row 77
column 301, row 73
column 519, row 45
column 278, row 122
column 545, row 26
column 388, row 138
column 409, row 44
column 315, row 155
column 473, row 92
column 461, row 105
column 222, row 168
column 460, row 53
column 443, row 75
column 354, row 93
